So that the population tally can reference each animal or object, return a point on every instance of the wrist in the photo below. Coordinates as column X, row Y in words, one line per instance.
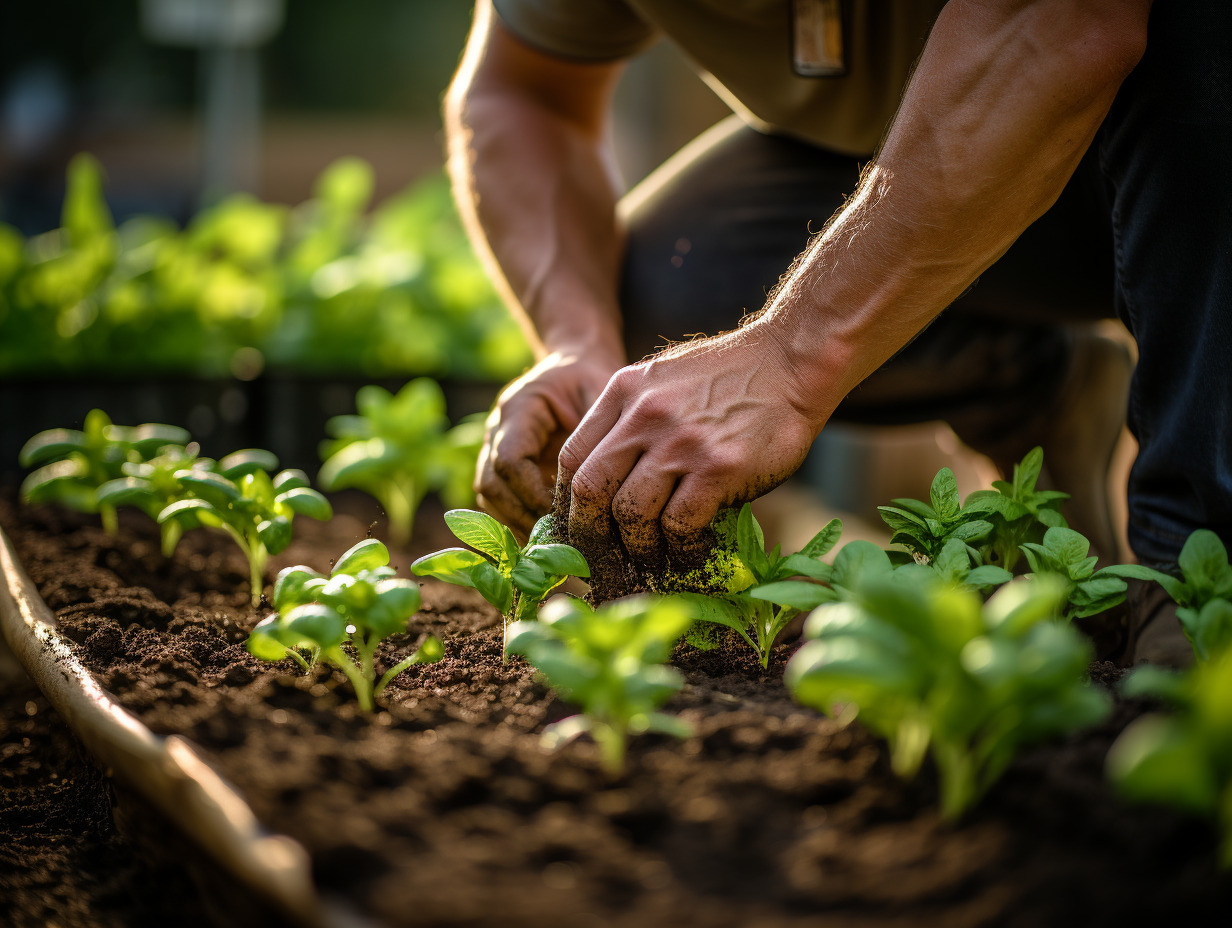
column 598, row 342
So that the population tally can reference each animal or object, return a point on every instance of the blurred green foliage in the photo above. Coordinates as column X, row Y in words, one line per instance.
column 325, row 287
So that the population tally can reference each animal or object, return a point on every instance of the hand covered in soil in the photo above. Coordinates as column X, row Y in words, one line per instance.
column 710, row 423
column 529, row 423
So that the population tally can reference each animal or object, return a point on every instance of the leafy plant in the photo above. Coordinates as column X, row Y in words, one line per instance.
column 1063, row 554
column 931, row 668
column 954, row 564
column 1017, row 511
column 361, row 602
column 609, row 661
column 1202, row 592
column 759, row 613
column 513, row 579
column 924, row 529
column 245, row 502
column 152, row 486
column 1182, row 759
column 399, row 448
column 72, row 465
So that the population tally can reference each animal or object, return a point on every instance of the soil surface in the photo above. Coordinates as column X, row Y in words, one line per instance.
column 441, row 808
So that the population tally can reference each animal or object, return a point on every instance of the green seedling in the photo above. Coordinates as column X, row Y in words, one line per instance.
column 1203, row 591
column 1018, row 511
column 958, row 566
column 361, row 602
column 244, row 501
column 609, row 662
column 512, row 578
column 759, row 613
column 1063, row 554
column 399, row 448
column 924, row 529
column 72, row 464
column 933, row 669
column 152, row 486
column 1182, row 759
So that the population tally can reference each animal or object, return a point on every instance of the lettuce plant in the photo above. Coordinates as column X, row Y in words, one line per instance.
column 609, row 662
column 924, row 528
column 152, row 486
column 933, row 669
column 72, row 464
column 1182, row 759
column 399, row 448
column 760, row 612
column 1018, row 511
column 242, row 499
column 361, row 602
column 512, row 578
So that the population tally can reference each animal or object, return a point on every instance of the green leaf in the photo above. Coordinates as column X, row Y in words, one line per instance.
column 241, row 463
column 987, row 575
column 1203, row 560
column 206, row 485
column 558, row 559
column 529, row 577
column 795, row 594
column 802, row 565
column 1027, row 471
column 859, row 561
column 316, row 623
column 307, row 502
column 494, row 586
column 451, row 565
column 289, row 479
column 943, row 494
column 1066, row 545
column 751, row 543
column 50, row 445
column 719, row 610
column 824, row 540
column 187, row 509
column 126, row 491
column 481, row 532
column 364, row 555
column 1155, row 759
column 289, row 586
column 263, row 642
column 275, row 534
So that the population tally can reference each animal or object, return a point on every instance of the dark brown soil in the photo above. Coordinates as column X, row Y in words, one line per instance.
column 442, row 809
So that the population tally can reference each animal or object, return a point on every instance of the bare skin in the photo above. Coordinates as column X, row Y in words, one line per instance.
column 1004, row 102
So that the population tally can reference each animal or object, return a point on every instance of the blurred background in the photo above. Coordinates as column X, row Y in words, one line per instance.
column 211, row 211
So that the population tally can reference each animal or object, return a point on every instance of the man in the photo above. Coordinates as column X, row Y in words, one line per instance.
column 1012, row 107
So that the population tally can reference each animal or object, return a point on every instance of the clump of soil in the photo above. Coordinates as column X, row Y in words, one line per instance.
column 442, row 809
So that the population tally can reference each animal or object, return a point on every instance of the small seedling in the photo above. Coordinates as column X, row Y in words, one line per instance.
column 930, row 667
column 1018, row 512
column 512, row 578
column 152, row 486
column 1182, row 759
column 959, row 567
column 399, row 448
column 361, row 602
column 759, row 613
column 1203, row 592
column 609, row 662
column 924, row 529
column 244, row 501
column 1063, row 554
column 73, row 464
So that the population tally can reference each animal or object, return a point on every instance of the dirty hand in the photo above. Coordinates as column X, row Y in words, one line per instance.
column 706, row 424
column 532, row 417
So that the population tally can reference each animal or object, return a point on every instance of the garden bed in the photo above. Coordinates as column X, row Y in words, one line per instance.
column 442, row 809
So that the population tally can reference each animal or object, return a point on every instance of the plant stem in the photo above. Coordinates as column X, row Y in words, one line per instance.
column 362, row 687
column 111, row 523
column 171, row 532
column 611, row 741
column 299, row 659
column 399, row 500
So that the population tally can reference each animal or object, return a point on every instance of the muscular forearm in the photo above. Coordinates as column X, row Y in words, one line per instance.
column 1004, row 101
column 534, row 178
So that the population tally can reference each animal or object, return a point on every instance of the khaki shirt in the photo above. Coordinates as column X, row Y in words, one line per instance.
column 743, row 49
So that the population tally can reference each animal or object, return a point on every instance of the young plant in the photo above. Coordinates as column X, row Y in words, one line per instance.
column 759, row 613
column 1183, row 759
column 610, row 663
column 930, row 667
column 245, row 502
column 152, row 486
column 956, row 565
column 1203, row 591
column 361, row 602
column 399, row 448
column 924, row 529
column 1018, row 512
column 72, row 464
column 1063, row 554
column 513, row 579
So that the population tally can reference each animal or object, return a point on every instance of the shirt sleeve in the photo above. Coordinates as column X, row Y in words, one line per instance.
column 584, row 30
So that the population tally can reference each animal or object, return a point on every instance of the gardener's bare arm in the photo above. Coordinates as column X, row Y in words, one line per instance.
column 1004, row 101
column 533, row 172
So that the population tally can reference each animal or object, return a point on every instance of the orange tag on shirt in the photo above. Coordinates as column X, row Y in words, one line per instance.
column 817, row 38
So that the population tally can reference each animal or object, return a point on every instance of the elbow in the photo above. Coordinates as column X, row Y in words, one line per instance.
column 1110, row 39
